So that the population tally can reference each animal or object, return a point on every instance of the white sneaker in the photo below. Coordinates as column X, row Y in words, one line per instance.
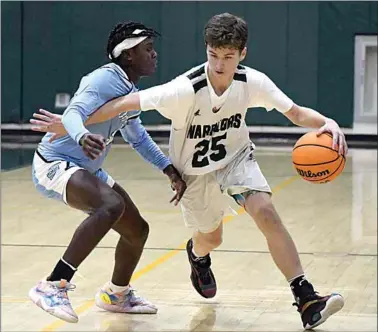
column 51, row 296
column 124, row 302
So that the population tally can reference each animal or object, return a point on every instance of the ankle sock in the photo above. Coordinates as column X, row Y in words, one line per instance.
column 62, row 270
column 301, row 288
column 118, row 289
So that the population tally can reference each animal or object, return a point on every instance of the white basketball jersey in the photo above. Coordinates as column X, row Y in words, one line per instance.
column 209, row 131
column 215, row 130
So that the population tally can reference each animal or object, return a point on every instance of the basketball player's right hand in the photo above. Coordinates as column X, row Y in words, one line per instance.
column 47, row 122
column 93, row 145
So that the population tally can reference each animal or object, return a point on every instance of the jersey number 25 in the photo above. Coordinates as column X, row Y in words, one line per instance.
column 218, row 151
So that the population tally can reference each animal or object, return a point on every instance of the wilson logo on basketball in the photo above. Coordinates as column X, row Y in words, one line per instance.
column 309, row 174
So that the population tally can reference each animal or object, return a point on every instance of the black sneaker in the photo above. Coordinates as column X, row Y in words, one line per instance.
column 202, row 277
column 315, row 309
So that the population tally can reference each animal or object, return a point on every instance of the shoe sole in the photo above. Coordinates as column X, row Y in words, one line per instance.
column 334, row 304
column 208, row 293
column 143, row 310
column 36, row 299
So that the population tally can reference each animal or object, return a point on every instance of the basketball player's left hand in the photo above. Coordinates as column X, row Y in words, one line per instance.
column 177, row 183
column 338, row 136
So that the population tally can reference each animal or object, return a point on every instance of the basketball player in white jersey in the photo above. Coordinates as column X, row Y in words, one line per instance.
column 210, row 146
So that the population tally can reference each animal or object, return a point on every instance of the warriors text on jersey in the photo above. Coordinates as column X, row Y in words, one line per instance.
column 208, row 131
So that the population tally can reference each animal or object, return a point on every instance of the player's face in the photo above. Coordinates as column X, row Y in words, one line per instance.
column 223, row 61
column 144, row 58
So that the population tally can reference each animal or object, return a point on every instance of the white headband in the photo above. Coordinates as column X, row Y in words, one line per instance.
column 127, row 44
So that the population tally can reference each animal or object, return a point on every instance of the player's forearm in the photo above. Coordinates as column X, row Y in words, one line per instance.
column 74, row 125
column 113, row 108
column 149, row 150
column 309, row 118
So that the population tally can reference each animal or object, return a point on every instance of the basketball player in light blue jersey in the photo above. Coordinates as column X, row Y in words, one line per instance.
column 69, row 169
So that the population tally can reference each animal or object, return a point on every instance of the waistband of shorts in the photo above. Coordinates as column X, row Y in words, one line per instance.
column 39, row 154
column 42, row 157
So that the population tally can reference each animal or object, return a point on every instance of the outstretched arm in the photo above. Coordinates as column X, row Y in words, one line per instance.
column 113, row 108
column 173, row 100
column 50, row 122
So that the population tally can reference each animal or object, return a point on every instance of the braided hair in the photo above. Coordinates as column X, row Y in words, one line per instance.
column 123, row 31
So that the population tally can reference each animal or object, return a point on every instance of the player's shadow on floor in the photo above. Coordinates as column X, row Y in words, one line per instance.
column 204, row 319
column 111, row 322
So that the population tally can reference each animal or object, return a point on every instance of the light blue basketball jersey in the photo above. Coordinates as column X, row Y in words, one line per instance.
column 97, row 88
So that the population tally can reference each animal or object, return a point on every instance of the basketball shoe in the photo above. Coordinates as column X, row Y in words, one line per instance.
column 315, row 309
column 51, row 296
column 202, row 277
column 124, row 302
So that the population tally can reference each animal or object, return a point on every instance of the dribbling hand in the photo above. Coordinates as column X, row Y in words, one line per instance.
column 338, row 136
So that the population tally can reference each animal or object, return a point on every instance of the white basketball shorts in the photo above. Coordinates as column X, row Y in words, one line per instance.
column 51, row 177
column 205, row 200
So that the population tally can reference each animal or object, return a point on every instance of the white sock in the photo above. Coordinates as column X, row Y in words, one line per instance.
column 118, row 289
column 195, row 254
column 292, row 279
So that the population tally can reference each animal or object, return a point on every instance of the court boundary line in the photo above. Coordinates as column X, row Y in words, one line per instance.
column 229, row 251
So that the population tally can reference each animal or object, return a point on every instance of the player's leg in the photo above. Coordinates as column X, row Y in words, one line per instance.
column 117, row 295
column 203, row 209
column 314, row 309
column 259, row 206
column 82, row 190
column 88, row 193
column 134, row 232
column 248, row 186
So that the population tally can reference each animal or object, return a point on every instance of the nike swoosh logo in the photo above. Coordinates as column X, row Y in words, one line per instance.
column 216, row 110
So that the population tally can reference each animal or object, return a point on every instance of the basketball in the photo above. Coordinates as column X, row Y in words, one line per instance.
column 315, row 160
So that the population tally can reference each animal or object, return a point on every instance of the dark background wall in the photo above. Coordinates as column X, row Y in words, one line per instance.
column 305, row 47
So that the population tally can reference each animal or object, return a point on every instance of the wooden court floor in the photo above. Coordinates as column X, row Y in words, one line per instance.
column 334, row 226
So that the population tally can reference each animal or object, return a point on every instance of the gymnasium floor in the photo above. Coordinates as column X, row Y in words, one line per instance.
column 334, row 226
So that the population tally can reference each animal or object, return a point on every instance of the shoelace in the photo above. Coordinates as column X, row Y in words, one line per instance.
column 61, row 292
column 131, row 295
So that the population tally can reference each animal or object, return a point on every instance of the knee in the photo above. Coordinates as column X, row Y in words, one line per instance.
column 113, row 207
column 216, row 241
column 138, row 235
column 134, row 230
column 213, row 240
column 144, row 231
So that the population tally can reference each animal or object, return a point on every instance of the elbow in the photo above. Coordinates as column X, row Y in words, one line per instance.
column 295, row 115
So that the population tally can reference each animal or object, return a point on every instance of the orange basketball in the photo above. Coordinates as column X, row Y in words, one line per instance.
column 315, row 160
